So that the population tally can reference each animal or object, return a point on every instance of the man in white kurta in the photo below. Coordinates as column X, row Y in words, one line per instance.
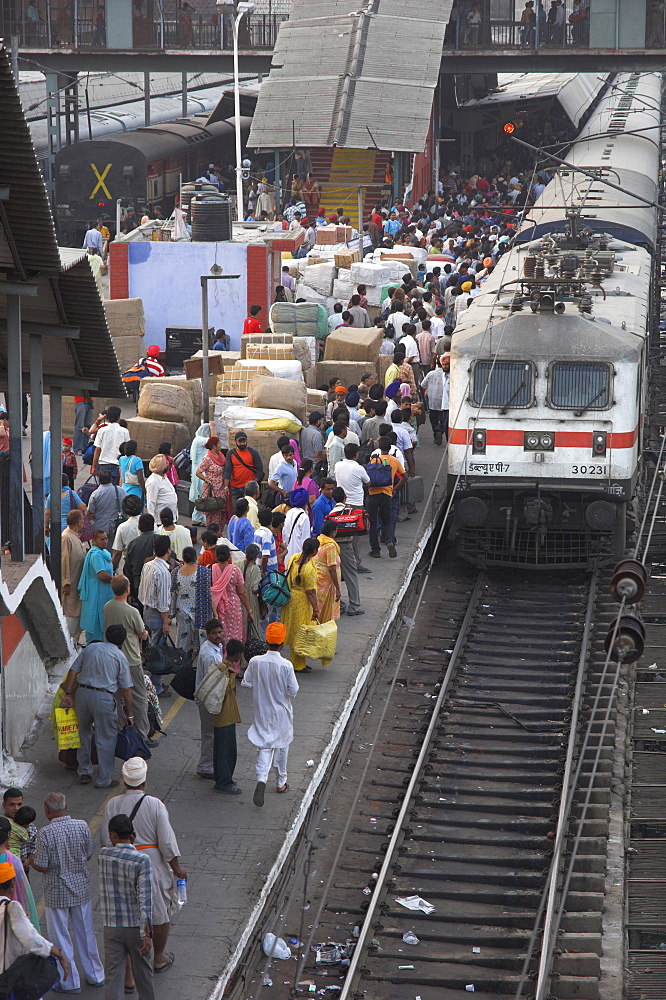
column 155, row 836
column 273, row 684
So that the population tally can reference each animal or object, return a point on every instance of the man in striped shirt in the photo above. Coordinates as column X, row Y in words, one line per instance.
column 151, row 362
column 155, row 596
column 125, row 895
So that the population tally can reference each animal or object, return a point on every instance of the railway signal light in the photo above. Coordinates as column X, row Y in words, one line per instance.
column 509, row 128
column 479, row 442
column 599, row 443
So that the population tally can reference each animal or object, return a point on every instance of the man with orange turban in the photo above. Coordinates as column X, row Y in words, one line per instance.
column 273, row 684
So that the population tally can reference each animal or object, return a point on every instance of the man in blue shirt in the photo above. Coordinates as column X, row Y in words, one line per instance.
column 93, row 240
column 392, row 225
column 322, row 505
column 284, row 477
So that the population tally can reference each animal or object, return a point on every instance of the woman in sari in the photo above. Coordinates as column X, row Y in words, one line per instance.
column 211, row 472
column 184, row 601
column 304, row 479
column 303, row 606
column 311, row 196
column 197, row 453
column 22, row 891
column 327, row 563
column 229, row 595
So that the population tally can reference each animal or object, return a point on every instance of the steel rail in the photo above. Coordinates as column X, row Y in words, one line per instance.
column 566, row 783
column 398, row 832
column 553, row 897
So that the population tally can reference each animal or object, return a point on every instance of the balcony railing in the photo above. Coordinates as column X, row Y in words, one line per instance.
column 488, row 25
column 52, row 24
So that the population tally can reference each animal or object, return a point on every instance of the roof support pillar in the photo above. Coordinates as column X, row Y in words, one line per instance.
column 183, row 95
column 14, row 530
column 37, row 441
column 146, row 98
column 53, row 127
column 56, row 484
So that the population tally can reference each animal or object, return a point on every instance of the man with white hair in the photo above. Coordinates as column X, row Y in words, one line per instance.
column 63, row 851
column 155, row 836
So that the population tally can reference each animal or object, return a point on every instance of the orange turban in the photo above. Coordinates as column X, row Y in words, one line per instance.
column 276, row 633
column 7, row 872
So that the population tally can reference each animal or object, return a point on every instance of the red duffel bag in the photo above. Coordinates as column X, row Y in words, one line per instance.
column 350, row 521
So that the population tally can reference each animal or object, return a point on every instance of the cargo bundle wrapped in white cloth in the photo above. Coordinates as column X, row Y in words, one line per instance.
column 256, row 418
column 280, row 369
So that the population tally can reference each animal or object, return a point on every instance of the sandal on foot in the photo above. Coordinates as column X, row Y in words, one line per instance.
column 170, row 959
column 283, row 789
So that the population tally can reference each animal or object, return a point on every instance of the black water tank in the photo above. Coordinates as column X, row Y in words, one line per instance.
column 192, row 188
column 211, row 220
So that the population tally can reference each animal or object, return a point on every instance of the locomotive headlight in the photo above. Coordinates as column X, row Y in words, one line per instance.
column 547, row 442
column 479, row 442
column 599, row 443
column 531, row 441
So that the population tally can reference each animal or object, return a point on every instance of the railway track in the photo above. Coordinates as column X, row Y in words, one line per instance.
column 463, row 801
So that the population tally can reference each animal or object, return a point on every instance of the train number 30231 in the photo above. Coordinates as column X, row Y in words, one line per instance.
column 589, row 470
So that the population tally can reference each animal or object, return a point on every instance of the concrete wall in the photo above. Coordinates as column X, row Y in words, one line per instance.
column 25, row 686
column 166, row 276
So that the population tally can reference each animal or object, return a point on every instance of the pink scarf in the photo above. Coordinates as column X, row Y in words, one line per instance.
column 220, row 582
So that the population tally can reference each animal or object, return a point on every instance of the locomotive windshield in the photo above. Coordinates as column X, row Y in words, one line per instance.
column 580, row 386
column 503, row 383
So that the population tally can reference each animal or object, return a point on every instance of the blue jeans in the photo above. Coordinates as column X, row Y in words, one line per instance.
column 114, row 470
column 83, row 417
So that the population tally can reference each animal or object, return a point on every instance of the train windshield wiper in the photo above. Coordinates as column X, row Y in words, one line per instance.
column 579, row 413
column 504, row 407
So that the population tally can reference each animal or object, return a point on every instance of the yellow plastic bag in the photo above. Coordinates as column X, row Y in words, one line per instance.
column 67, row 729
column 317, row 642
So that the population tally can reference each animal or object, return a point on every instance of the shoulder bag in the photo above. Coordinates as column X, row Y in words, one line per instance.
column 350, row 521
column 380, row 474
column 29, row 977
column 254, row 645
column 165, row 658
column 212, row 690
column 130, row 743
column 209, row 503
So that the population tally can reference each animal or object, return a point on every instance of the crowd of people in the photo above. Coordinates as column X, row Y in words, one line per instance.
column 139, row 863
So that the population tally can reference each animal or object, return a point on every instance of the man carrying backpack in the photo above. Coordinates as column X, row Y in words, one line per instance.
column 243, row 466
column 387, row 477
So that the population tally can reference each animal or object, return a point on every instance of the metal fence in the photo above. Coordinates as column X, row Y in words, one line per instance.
column 505, row 25
column 52, row 24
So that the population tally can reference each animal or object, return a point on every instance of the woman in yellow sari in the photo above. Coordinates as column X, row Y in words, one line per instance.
column 327, row 562
column 303, row 607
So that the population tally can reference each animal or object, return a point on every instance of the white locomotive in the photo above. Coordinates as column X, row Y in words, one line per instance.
column 548, row 365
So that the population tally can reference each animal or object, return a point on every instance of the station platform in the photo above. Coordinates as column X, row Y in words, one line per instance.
column 232, row 850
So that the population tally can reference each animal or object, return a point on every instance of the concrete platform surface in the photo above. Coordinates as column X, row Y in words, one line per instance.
column 229, row 846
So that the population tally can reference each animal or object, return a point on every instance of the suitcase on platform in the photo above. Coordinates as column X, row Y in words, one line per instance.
column 414, row 491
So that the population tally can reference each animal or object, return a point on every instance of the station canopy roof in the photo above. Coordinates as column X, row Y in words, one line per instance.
column 573, row 91
column 340, row 78
column 67, row 294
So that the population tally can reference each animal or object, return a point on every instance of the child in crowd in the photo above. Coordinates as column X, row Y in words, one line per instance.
column 70, row 466
column 23, row 835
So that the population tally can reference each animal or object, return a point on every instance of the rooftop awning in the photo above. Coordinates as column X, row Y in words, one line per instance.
column 27, row 235
column 358, row 78
column 575, row 92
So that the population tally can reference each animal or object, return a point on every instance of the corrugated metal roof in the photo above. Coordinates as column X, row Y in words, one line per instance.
column 574, row 91
column 67, row 293
column 376, row 71
column 27, row 237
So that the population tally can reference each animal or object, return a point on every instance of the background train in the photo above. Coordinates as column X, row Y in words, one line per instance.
column 549, row 364
column 143, row 167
